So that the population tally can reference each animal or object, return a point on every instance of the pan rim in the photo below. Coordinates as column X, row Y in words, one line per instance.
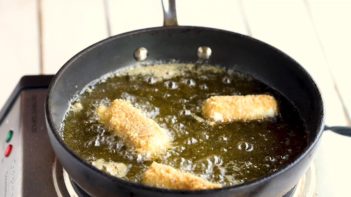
column 117, row 180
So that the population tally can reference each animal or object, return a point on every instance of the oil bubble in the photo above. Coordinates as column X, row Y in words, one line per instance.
column 223, row 138
column 226, row 80
column 285, row 157
column 190, row 82
column 171, row 85
column 97, row 142
column 166, row 95
column 270, row 159
column 191, row 141
column 245, row 146
column 185, row 112
column 151, row 80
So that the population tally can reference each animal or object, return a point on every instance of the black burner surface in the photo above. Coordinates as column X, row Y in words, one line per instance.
column 78, row 190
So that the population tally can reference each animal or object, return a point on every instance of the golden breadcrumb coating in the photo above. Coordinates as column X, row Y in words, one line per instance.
column 165, row 176
column 239, row 108
column 142, row 134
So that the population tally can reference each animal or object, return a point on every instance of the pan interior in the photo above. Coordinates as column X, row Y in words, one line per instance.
column 179, row 44
column 172, row 95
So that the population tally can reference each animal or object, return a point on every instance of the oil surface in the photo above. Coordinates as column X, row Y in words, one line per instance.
column 229, row 154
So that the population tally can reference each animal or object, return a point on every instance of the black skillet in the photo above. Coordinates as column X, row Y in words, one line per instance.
column 184, row 44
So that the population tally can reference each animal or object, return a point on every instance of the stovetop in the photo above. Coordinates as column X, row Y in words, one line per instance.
column 28, row 166
column 26, row 156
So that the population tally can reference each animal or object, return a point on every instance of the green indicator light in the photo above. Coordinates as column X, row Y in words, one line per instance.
column 9, row 136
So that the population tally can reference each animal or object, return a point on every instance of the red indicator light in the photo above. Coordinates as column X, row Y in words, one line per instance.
column 8, row 150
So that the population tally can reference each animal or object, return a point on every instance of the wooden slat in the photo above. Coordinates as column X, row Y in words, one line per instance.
column 333, row 165
column 287, row 25
column 68, row 27
column 135, row 14
column 222, row 14
column 19, row 53
column 333, row 27
column 332, row 20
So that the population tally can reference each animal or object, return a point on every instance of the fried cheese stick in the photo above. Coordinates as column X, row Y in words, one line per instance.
column 165, row 176
column 139, row 132
column 239, row 108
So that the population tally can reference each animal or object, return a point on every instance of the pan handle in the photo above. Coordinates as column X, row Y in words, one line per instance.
column 169, row 13
column 346, row 131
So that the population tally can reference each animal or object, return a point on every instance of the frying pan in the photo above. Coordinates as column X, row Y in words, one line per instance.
column 186, row 44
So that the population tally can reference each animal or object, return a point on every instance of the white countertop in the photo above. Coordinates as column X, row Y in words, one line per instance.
column 38, row 36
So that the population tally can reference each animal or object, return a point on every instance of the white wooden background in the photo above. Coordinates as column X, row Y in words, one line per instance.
column 39, row 36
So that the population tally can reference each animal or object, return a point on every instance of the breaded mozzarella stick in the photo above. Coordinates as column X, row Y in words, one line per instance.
column 142, row 134
column 164, row 176
column 239, row 108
